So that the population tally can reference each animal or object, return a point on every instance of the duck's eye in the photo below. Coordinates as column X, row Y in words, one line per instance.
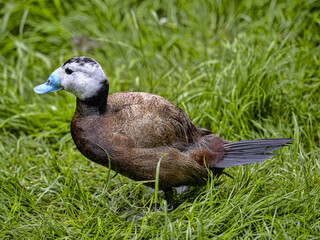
column 68, row 71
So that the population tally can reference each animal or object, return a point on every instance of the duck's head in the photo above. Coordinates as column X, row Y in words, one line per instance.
column 81, row 76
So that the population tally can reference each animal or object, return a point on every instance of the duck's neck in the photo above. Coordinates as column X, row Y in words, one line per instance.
column 95, row 105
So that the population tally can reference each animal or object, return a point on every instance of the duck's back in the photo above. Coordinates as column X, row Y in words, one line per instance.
column 149, row 120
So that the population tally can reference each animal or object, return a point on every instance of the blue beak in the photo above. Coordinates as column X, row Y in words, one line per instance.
column 53, row 84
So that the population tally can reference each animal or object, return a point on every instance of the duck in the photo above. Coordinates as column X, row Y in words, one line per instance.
column 134, row 132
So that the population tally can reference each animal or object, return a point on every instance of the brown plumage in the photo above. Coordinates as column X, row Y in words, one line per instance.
column 135, row 130
column 139, row 129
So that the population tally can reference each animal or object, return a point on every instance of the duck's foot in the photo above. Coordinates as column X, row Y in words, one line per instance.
column 182, row 189
column 138, row 216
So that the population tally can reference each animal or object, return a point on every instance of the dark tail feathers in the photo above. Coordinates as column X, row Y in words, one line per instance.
column 250, row 151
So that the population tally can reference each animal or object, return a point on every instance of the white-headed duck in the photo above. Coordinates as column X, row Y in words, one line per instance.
column 134, row 130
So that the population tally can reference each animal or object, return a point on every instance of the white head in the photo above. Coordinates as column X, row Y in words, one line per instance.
column 81, row 76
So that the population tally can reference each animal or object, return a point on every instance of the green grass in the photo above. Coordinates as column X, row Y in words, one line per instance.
column 245, row 70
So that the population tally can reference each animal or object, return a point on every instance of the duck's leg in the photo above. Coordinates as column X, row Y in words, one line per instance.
column 168, row 196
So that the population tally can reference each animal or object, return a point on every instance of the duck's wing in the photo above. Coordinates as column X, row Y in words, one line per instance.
column 150, row 120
